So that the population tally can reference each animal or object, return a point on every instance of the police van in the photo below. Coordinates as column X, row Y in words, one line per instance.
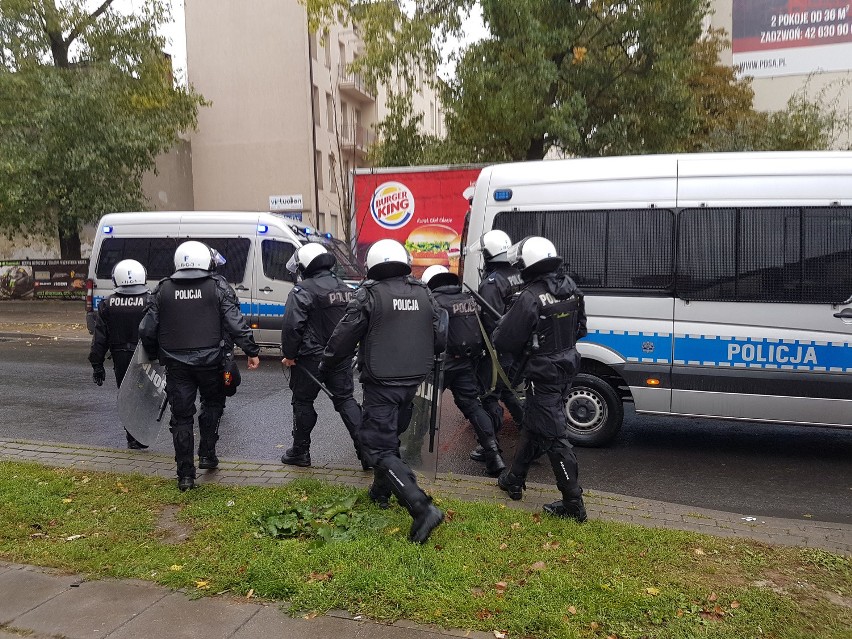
column 717, row 285
column 257, row 247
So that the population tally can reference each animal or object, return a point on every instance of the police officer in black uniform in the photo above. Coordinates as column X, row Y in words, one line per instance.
column 540, row 331
column 464, row 344
column 117, row 325
column 501, row 283
column 314, row 307
column 398, row 330
column 185, row 325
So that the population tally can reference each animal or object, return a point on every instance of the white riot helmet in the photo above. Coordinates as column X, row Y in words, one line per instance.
column 129, row 276
column 438, row 275
column 493, row 245
column 387, row 258
column 533, row 255
column 310, row 258
column 194, row 259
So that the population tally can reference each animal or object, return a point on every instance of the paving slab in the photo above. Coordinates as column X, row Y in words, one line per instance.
column 26, row 588
column 176, row 616
column 93, row 609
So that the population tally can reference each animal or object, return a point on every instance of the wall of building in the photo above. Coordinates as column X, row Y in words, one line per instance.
column 772, row 89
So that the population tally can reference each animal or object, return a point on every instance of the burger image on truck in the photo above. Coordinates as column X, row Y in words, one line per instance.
column 431, row 244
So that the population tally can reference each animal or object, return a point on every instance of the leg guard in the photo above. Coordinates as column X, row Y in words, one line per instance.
column 494, row 464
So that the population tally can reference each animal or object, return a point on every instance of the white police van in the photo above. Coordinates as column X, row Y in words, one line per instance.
column 717, row 285
column 256, row 246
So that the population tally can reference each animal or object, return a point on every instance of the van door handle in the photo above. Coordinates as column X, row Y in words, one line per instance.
column 265, row 289
column 240, row 287
column 846, row 313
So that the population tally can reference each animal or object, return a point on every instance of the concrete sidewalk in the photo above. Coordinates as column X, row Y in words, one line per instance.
column 39, row 603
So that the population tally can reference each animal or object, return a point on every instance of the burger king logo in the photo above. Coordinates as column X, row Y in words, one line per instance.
column 392, row 205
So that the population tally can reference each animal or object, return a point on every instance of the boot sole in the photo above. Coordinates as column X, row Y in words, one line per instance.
column 430, row 524
column 296, row 463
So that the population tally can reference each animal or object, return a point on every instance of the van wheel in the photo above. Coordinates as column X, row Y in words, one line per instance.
column 594, row 411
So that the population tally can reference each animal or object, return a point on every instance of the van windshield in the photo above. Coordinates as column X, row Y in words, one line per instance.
column 346, row 267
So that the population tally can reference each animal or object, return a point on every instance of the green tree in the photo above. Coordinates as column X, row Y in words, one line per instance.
column 87, row 102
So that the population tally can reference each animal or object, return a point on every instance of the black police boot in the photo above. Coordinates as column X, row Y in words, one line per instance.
column 135, row 445
column 381, row 500
column 427, row 518
column 296, row 457
column 186, row 483
column 209, row 461
column 511, row 484
column 568, row 509
column 494, row 464
column 478, row 454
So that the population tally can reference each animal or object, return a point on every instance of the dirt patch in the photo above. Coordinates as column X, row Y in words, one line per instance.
column 168, row 528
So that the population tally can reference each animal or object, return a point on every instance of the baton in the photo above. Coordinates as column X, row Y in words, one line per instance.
column 485, row 305
column 438, row 370
column 314, row 380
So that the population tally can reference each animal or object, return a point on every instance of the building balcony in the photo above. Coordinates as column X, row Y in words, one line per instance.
column 352, row 86
column 356, row 139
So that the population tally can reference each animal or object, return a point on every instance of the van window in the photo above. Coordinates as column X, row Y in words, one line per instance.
column 156, row 254
column 605, row 249
column 772, row 254
column 275, row 256
column 235, row 251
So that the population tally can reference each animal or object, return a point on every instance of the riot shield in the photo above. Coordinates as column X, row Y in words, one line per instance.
column 419, row 443
column 142, row 406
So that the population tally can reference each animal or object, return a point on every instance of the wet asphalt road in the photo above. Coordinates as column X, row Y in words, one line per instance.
column 753, row 469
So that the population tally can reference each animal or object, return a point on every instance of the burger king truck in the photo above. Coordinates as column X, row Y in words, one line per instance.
column 422, row 207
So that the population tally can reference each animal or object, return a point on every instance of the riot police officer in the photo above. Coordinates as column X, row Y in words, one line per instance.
column 398, row 330
column 501, row 282
column 314, row 307
column 541, row 330
column 464, row 344
column 185, row 325
column 117, row 326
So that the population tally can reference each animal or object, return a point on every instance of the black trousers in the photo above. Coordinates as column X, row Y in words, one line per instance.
column 461, row 380
column 182, row 384
column 387, row 413
column 491, row 400
column 545, row 432
column 305, row 390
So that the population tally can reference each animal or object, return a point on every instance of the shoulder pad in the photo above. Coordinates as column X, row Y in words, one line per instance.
column 413, row 280
column 368, row 283
column 296, row 289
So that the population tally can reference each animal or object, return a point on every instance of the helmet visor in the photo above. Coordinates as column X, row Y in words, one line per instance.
column 293, row 264
column 218, row 258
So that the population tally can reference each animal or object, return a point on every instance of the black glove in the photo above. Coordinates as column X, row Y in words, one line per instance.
column 98, row 374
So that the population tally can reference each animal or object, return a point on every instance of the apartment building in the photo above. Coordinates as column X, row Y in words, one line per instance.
column 286, row 116
column 785, row 45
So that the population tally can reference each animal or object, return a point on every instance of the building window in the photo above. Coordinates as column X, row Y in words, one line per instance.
column 318, row 160
column 327, row 52
column 432, row 114
column 342, row 61
column 332, row 225
column 315, row 100
column 312, row 44
column 332, row 166
column 329, row 109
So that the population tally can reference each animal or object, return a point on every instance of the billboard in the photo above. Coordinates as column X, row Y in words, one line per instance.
column 422, row 209
column 43, row 279
column 791, row 37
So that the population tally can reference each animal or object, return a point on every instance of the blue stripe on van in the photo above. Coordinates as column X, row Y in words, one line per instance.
column 727, row 352
column 634, row 346
column 267, row 310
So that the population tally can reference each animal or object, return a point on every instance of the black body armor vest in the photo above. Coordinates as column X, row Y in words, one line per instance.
column 125, row 313
column 399, row 344
column 189, row 314
column 464, row 337
column 331, row 297
column 557, row 323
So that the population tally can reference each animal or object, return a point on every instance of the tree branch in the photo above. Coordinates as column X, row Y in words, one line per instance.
column 76, row 31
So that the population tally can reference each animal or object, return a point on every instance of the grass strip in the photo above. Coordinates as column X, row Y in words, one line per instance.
column 486, row 568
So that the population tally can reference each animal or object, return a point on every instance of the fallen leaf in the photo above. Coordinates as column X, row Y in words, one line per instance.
column 807, row 516
column 202, row 584
column 735, row 604
column 477, row 592
column 594, row 625
column 175, row 568
column 515, row 526
column 500, row 586
column 504, row 546
column 74, row 537
column 500, row 635
column 679, row 612
column 320, row 576
column 572, row 610
column 713, row 597
column 67, row 500
column 310, row 615
column 449, row 514
column 484, row 614
column 249, row 593
column 536, row 518
column 652, row 591
column 539, row 565
column 698, row 551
